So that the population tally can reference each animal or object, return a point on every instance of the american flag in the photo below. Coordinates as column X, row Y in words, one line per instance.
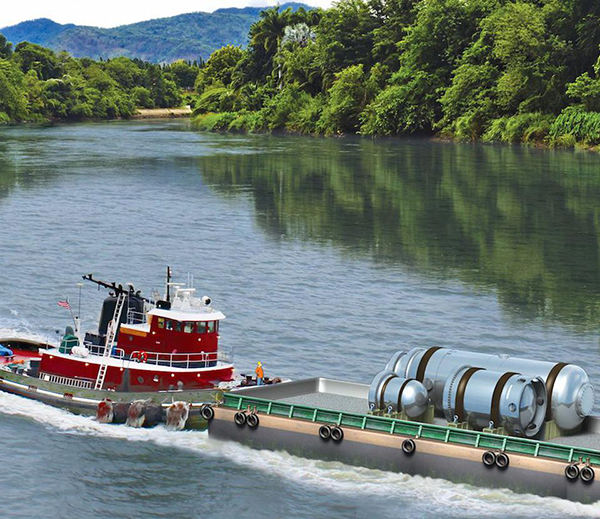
column 64, row 304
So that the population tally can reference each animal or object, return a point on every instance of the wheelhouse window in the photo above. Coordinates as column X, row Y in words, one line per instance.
column 201, row 327
column 212, row 328
column 188, row 327
column 177, row 326
column 168, row 324
column 161, row 322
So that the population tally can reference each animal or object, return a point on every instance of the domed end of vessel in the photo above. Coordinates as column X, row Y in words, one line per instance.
column 414, row 399
column 585, row 400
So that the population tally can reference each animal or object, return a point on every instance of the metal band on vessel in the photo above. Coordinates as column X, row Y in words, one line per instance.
column 459, row 406
column 382, row 391
column 495, row 409
column 550, row 386
column 424, row 361
column 402, row 391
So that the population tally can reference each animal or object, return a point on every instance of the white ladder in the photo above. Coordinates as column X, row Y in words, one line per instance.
column 110, row 339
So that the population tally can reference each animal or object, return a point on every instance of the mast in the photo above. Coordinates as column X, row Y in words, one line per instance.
column 168, row 298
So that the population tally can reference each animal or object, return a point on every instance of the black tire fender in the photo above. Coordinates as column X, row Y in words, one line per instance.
column 337, row 434
column 489, row 458
column 502, row 460
column 325, row 432
column 207, row 412
column 409, row 446
column 572, row 472
column 240, row 419
column 587, row 474
column 252, row 420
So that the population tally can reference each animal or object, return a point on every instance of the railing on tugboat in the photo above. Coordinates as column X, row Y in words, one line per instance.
column 183, row 360
column 172, row 360
column 80, row 383
column 134, row 317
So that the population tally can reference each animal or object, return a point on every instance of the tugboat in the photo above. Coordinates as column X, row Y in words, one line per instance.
column 145, row 350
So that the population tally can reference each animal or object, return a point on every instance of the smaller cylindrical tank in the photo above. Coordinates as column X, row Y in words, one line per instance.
column 394, row 394
column 488, row 398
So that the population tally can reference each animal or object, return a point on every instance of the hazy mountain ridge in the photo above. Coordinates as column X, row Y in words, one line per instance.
column 185, row 36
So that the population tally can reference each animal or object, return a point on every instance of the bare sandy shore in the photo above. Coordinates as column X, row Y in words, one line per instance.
column 162, row 113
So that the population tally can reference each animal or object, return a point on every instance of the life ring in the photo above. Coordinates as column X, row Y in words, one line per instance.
column 252, row 420
column 143, row 356
column 409, row 447
column 502, row 460
column 240, row 419
column 207, row 412
column 324, row 432
column 337, row 434
column 572, row 472
column 489, row 458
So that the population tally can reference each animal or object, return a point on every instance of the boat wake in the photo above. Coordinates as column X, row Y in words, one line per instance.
column 453, row 500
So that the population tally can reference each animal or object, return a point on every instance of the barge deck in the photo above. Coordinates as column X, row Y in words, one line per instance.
column 290, row 416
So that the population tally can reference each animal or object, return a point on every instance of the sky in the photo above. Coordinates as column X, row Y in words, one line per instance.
column 110, row 13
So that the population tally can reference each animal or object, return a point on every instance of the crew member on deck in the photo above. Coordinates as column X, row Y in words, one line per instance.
column 260, row 374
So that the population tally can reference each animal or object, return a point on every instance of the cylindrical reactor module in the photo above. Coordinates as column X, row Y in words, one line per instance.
column 570, row 394
column 393, row 394
column 491, row 399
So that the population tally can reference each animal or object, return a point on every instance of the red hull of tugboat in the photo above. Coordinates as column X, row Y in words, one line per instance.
column 137, row 376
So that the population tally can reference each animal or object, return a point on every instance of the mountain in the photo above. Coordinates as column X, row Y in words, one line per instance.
column 163, row 40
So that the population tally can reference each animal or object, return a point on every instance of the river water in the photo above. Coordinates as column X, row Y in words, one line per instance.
column 327, row 255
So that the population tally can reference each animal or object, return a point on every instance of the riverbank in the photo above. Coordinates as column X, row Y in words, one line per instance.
column 162, row 113
column 547, row 132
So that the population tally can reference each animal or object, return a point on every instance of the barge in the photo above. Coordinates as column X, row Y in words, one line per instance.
column 339, row 421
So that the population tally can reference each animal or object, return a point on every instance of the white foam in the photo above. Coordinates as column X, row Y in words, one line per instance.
column 446, row 497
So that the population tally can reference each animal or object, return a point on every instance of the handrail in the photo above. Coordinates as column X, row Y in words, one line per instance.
column 181, row 360
column 535, row 448
column 178, row 360
column 98, row 350
column 134, row 317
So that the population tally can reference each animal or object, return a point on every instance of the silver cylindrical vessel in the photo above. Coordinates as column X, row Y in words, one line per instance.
column 570, row 394
column 393, row 394
column 492, row 399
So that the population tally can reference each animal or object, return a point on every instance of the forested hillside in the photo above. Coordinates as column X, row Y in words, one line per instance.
column 37, row 84
column 495, row 70
column 188, row 36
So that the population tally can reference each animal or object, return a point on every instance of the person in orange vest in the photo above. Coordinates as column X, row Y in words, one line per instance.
column 260, row 374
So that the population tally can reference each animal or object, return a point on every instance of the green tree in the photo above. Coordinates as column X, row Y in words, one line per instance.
column 30, row 56
column 348, row 97
column 219, row 68
column 183, row 73
column 13, row 102
column 5, row 47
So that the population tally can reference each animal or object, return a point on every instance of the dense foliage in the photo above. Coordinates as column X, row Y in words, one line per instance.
column 163, row 40
column 37, row 84
column 520, row 70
